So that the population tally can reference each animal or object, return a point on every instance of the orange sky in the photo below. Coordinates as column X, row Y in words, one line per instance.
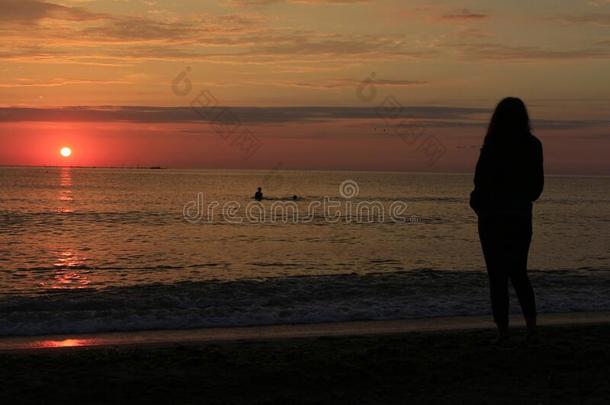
column 280, row 82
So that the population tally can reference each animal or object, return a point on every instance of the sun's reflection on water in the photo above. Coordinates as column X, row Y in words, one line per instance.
column 68, row 280
column 68, row 269
column 63, row 343
column 65, row 190
column 70, row 272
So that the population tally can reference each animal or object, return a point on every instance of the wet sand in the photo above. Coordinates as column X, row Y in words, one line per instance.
column 388, row 364
column 358, row 328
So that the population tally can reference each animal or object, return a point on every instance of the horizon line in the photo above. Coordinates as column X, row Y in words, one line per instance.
column 153, row 167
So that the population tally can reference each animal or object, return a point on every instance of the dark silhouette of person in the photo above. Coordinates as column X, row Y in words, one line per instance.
column 509, row 177
column 259, row 194
column 294, row 197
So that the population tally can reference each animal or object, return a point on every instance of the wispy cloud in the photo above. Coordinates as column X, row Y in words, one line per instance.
column 464, row 14
column 58, row 82
column 348, row 83
column 32, row 11
column 269, row 2
column 245, row 37
column 442, row 14
column 431, row 116
column 246, row 114
column 602, row 18
column 497, row 51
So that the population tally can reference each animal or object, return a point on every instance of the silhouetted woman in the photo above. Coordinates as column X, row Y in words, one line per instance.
column 508, row 178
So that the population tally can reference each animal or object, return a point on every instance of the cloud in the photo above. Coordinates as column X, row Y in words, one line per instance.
column 241, row 38
column 496, row 51
column 347, row 83
column 146, row 40
column 602, row 19
column 330, row 1
column 31, row 11
column 148, row 114
column 430, row 116
column 464, row 14
column 246, row 3
column 48, row 20
column 29, row 51
column 139, row 29
column 57, row 83
column 337, row 44
column 438, row 14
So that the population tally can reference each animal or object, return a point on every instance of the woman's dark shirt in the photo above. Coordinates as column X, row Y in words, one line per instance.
column 508, row 177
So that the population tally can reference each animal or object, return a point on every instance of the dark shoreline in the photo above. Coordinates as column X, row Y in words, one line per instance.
column 570, row 365
column 286, row 331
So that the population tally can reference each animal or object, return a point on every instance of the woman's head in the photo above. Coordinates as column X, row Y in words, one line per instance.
column 510, row 122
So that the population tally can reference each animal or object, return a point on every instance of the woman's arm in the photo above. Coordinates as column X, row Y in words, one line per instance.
column 537, row 183
column 480, row 174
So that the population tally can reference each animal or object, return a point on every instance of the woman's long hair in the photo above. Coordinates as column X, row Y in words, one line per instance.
column 509, row 124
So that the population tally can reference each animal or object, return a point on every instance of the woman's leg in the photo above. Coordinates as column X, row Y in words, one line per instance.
column 490, row 233
column 518, row 273
column 498, row 288
column 525, row 293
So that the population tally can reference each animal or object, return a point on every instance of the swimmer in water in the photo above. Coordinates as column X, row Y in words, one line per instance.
column 259, row 194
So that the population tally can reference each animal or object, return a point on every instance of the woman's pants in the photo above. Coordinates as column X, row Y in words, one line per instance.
column 505, row 240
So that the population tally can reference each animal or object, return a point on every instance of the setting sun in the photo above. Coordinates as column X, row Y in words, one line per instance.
column 65, row 151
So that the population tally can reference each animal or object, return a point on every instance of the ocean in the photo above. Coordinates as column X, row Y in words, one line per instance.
column 90, row 250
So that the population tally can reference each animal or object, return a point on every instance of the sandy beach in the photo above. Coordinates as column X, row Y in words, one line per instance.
column 421, row 361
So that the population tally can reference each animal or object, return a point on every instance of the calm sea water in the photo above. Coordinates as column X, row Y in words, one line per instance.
column 109, row 249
